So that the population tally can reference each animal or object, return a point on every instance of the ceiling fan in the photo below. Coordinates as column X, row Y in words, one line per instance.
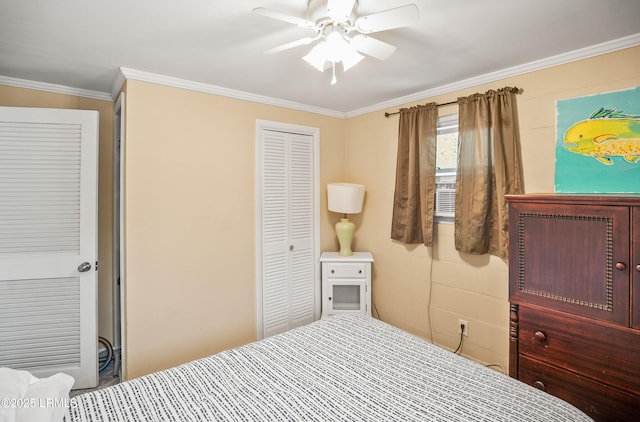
column 341, row 34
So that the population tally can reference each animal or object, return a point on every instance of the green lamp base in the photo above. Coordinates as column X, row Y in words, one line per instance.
column 344, row 231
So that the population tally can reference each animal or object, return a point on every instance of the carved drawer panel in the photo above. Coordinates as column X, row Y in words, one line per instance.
column 599, row 401
column 603, row 352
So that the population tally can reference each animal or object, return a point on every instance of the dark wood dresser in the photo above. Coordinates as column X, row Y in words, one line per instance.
column 574, row 288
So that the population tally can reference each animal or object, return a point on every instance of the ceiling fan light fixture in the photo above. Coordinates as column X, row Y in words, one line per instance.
column 317, row 56
column 333, row 48
column 336, row 47
column 334, row 21
column 350, row 58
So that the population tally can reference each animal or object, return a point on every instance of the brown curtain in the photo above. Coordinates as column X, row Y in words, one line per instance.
column 489, row 166
column 414, row 195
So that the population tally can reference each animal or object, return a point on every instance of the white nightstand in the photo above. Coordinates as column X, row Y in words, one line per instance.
column 346, row 283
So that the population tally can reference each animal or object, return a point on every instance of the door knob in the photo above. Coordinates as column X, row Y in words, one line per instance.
column 84, row 267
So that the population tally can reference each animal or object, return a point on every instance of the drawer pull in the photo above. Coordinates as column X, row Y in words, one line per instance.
column 333, row 271
column 359, row 271
column 540, row 385
column 540, row 336
column 621, row 266
column 638, row 267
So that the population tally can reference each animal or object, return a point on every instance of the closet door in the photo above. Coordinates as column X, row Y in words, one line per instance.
column 288, row 275
column 48, row 246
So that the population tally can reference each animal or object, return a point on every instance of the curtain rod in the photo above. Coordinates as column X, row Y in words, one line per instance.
column 516, row 90
column 437, row 105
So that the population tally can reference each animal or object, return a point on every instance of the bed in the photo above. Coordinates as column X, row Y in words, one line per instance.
column 341, row 368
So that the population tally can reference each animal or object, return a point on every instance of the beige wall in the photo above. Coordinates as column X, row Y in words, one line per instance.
column 190, row 219
column 20, row 97
column 474, row 288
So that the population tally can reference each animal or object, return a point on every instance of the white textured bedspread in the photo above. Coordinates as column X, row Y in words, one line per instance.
column 343, row 368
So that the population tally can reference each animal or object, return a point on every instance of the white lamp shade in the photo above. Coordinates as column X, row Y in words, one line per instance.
column 345, row 198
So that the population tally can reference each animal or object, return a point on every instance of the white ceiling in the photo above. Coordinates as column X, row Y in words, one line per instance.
column 83, row 43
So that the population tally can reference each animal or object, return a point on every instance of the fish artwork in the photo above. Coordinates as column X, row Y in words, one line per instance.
column 605, row 134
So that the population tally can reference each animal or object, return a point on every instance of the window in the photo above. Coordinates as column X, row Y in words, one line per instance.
column 446, row 164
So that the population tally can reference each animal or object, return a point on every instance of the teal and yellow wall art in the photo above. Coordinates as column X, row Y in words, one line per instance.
column 598, row 143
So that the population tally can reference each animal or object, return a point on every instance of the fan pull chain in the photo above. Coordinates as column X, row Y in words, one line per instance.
column 334, row 80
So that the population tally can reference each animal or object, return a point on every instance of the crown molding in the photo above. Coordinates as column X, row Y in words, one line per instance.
column 117, row 84
column 58, row 89
column 138, row 75
column 572, row 56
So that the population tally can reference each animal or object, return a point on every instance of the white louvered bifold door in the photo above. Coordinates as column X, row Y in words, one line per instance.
column 288, row 264
column 48, row 197
column 301, row 234
column 275, row 233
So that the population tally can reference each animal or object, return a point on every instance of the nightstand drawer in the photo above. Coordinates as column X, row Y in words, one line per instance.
column 602, row 352
column 599, row 401
column 346, row 270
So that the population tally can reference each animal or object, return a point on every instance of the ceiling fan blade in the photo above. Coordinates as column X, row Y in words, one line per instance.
column 292, row 44
column 303, row 23
column 372, row 47
column 340, row 10
column 388, row 19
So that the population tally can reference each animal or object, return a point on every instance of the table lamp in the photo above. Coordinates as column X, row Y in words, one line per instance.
column 345, row 198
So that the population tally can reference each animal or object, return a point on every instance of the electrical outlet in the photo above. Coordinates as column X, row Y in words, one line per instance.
column 462, row 322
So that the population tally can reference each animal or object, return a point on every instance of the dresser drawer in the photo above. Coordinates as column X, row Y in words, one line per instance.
column 599, row 351
column 601, row 402
column 346, row 270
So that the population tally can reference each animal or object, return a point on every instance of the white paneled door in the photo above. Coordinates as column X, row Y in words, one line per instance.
column 48, row 245
column 288, row 273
